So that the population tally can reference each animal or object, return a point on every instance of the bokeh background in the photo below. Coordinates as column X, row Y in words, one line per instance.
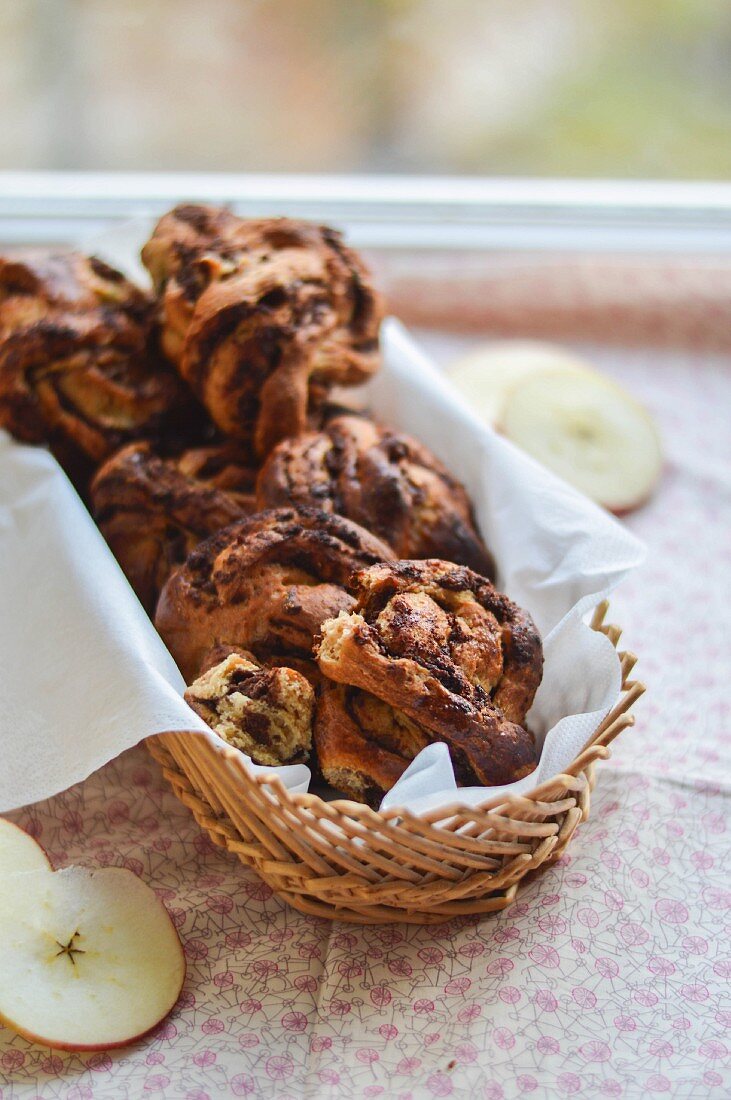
column 623, row 88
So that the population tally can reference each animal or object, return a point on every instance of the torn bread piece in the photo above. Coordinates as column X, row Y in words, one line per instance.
column 267, row 713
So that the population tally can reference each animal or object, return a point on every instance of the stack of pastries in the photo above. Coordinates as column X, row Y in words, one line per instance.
column 317, row 576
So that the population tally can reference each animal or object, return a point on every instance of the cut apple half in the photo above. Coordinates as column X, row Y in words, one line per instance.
column 19, row 851
column 90, row 959
column 589, row 431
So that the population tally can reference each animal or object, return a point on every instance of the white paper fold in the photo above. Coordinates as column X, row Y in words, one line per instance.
column 84, row 675
column 557, row 553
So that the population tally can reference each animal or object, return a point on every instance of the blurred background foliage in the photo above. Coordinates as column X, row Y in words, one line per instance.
column 624, row 88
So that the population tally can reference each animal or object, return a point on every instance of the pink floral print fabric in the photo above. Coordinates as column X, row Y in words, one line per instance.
column 608, row 977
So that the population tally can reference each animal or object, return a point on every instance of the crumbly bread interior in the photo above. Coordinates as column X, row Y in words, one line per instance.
column 333, row 633
column 267, row 713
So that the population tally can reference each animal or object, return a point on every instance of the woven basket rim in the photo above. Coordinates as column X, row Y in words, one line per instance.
column 595, row 749
column 341, row 860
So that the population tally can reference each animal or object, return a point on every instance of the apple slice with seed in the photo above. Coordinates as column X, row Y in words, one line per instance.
column 90, row 959
column 19, row 851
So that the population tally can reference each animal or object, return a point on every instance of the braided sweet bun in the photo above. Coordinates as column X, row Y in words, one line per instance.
column 363, row 745
column 265, row 712
column 190, row 247
column 262, row 316
column 153, row 511
column 228, row 466
column 443, row 648
column 77, row 368
column 36, row 281
column 381, row 479
column 265, row 583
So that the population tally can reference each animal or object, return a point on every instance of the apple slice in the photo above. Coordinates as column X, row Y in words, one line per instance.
column 589, row 431
column 90, row 959
column 486, row 375
column 571, row 418
column 19, row 851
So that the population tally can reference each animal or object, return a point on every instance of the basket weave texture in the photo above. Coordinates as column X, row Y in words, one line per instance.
column 343, row 861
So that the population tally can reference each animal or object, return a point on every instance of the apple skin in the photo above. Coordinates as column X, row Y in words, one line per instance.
column 625, row 428
column 628, row 509
column 622, row 510
column 173, row 943
column 68, row 1048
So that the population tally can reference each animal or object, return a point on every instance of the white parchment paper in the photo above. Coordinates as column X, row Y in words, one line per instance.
column 84, row 675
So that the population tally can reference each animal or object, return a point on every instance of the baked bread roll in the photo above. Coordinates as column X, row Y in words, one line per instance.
column 153, row 511
column 190, row 247
column 261, row 316
column 265, row 584
column 78, row 369
column 35, row 282
column 381, row 479
column 228, row 466
column 363, row 745
column 445, row 650
column 265, row 712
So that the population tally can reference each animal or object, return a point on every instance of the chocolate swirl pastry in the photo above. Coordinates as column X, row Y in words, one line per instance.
column 228, row 466
column 262, row 316
column 36, row 281
column 190, row 247
column 455, row 660
column 77, row 365
column 381, row 479
column 153, row 511
column 265, row 583
column 265, row 712
column 363, row 745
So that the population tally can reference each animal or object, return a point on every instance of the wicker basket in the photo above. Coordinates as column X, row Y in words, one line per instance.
column 344, row 861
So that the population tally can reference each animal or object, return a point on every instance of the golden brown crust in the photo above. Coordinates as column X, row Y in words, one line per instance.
column 265, row 583
column 190, row 246
column 77, row 364
column 265, row 712
column 219, row 653
column 228, row 466
column 262, row 316
column 440, row 644
column 34, row 281
column 381, row 479
column 304, row 665
column 349, row 753
column 153, row 511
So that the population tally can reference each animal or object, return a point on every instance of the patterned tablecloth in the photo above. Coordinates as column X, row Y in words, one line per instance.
column 609, row 976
